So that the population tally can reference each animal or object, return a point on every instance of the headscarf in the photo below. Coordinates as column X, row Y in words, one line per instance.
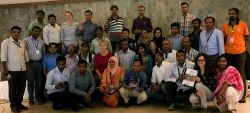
column 158, row 28
column 113, row 70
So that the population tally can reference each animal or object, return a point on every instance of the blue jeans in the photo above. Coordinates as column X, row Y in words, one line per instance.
column 160, row 94
column 65, row 51
column 35, row 80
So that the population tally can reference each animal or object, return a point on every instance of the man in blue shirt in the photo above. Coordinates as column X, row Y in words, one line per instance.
column 125, row 35
column 211, row 41
column 49, row 61
column 133, row 84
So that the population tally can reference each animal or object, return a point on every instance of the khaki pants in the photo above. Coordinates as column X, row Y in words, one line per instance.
column 141, row 96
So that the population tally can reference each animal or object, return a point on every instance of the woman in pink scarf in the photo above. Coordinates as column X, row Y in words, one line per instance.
column 111, row 82
column 230, row 86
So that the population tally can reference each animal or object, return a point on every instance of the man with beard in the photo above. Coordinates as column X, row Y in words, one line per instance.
column 140, row 23
column 114, row 26
column 195, row 35
column 236, row 41
column 38, row 22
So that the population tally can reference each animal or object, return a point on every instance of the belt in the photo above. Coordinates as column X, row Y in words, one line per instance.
column 35, row 60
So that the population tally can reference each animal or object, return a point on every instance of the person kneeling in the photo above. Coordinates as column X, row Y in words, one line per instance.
column 111, row 82
column 230, row 87
column 57, row 83
column 134, row 83
column 81, row 86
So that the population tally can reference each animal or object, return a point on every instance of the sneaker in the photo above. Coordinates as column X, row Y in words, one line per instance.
column 126, row 105
column 188, row 105
column 31, row 103
column 85, row 106
column 243, row 100
column 171, row 107
column 204, row 110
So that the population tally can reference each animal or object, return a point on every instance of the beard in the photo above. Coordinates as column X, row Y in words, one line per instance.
column 231, row 18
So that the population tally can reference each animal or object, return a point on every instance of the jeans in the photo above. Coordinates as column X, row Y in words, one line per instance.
column 160, row 94
column 65, row 51
column 35, row 80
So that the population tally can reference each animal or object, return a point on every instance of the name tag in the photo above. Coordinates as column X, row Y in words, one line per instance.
column 37, row 52
column 231, row 39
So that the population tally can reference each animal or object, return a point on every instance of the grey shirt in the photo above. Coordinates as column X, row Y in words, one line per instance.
column 68, row 34
column 176, row 42
column 79, row 84
column 88, row 33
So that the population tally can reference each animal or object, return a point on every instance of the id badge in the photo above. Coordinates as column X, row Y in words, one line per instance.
column 206, row 48
column 231, row 39
column 37, row 52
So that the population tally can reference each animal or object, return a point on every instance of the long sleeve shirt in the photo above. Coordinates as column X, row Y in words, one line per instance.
column 125, row 61
column 215, row 43
column 138, row 23
column 68, row 34
column 130, row 74
column 51, row 34
column 81, row 85
column 35, row 48
column 185, row 24
column 88, row 33
column 159, row 72
column 54, row 77
column 173, row 73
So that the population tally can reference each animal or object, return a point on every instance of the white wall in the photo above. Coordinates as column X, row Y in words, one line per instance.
column 2, row 2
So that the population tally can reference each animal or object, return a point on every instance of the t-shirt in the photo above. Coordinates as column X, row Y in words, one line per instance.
column 50, row 62
column 115, row 28
column 238, row 44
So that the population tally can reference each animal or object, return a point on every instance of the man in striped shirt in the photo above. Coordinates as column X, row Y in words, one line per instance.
column 36, row 51
column 185, row 20
column 114, row 26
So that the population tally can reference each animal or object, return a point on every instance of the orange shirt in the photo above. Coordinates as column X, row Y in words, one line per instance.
column 238, row 44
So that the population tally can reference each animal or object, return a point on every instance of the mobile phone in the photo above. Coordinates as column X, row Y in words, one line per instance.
column 8, row 76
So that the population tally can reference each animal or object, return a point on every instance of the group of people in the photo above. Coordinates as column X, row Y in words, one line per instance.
column 111, row 70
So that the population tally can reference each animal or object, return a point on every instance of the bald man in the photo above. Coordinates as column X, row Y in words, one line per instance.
column 168, row 53
column 191, row 53
column 71, row 58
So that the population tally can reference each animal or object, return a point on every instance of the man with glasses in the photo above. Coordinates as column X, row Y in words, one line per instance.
column 174, row 78
column 71, row 58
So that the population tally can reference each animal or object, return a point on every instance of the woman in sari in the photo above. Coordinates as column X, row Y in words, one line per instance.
column 111, row 82
column 230, row 88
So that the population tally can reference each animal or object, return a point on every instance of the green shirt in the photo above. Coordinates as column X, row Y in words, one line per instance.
column 36, row 23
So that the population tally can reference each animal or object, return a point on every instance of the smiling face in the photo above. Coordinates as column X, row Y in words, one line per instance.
column 68, row 16
column 137, row 66
column 180, row 57
column 201, row 61
column 15, row 34
column 39, row 16
column 152, row 46
column 186, row 42
column 222, row 63
column 103, row 46
column 52, row 20
column 184, row 8
column 88, row 16
column 99, row 32
column 141, row 50
column 125, row 34
column 114, row 11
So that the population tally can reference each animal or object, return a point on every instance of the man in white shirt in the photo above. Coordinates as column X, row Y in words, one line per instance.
column 168, row 53
column 159, row 71
column 15, row 63
column 57, row 83
column 51, row 34
column 125, row 56
column 174, row 78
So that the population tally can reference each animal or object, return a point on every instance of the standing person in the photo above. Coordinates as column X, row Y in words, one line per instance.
column 68, row 34
column 158, row 37
column 38, row 22
column 174, row 78
column 195, row 35
column 81, row 86
column 205, row 83
column 175, row 39
column 36, row 51
column 133, row 84
column 185, row 20
column 157, row 81
column 168, row 53
column 144, row 38
column 95, row 48
column 153, row 49
column 125, row 56
column 49, row 61
column 87, row 56
column 57, row 83
column 211, row 41
column 51, row 34
column 125, row 35
column 15, row 62
column 87, row 29
column 236, row 34
column 140, row 23
column 230, row 87
column 71, row 59
column 111, row 82
column 191, row 53
column 114, row 26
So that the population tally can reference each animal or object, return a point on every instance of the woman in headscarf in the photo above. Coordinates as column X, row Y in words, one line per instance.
column 158, row 37
column 111, row 82
column 230, row 88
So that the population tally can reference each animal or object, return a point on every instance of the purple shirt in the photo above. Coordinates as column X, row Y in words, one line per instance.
column 70, row 63
column 138, row 23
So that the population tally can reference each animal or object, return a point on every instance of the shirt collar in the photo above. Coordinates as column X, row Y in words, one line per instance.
column 34, row 39
column 12, row 39
column 186, row 15
column 198, row 31
column 114, row 19
column 98, row 38
column 128, row 51
column 176, row 36
column 87, row 55
column 38, row 22
column 69, row 56
column 210, row 31
column 90, row 22
column 138, row 74
column 54, row 56
column 237, row 23
column 170, row 51
column 57, row 70
column 185, row 63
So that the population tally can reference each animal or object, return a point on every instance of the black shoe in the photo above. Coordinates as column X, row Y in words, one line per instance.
column 22, row 107
column 85, row 105
column 139, row 104
column 188, row 105
column 126, row 105
column 56, row 106
column 31, row 103
column 74, row 109
column 41, row 101
column 15, row 110
column 243, row 100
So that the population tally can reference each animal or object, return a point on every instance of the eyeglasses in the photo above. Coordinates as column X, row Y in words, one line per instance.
column 201, row 60
column 70, row 48
column 111, row 61
column 157, row 56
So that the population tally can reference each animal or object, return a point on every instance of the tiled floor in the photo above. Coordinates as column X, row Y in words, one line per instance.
column 150, row 106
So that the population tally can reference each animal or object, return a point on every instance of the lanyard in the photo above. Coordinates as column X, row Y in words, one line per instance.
column 111, row 78
column 35, row 44
column 183, row 71
column 208, row 37
column 17, row 44
column 232, row 31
